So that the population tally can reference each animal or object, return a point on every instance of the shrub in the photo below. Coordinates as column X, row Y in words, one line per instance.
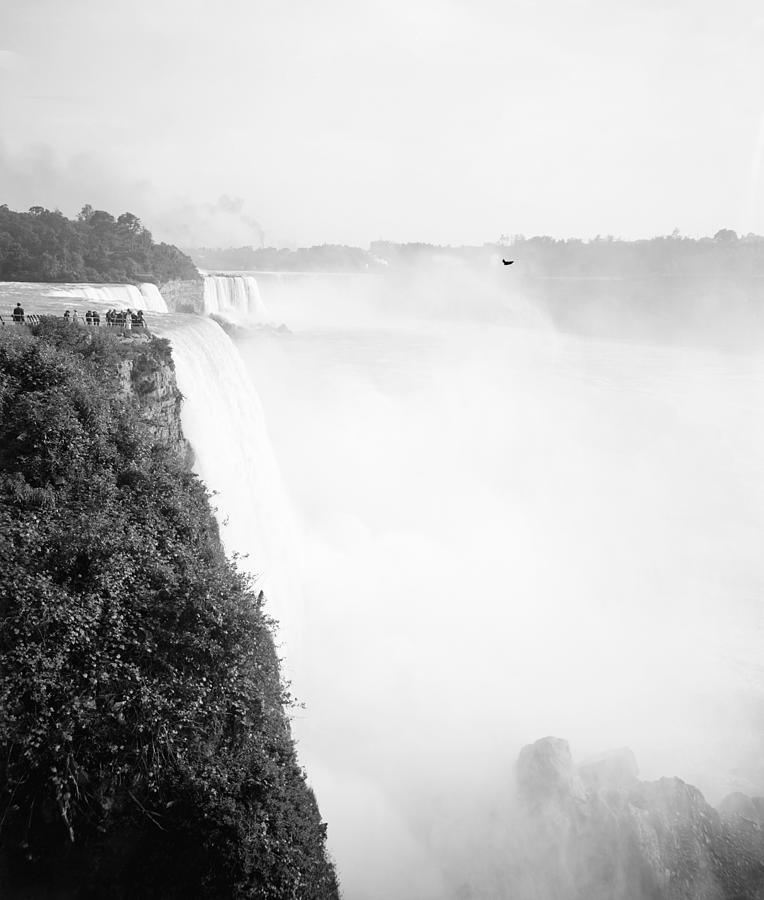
column 41, row 245
column 144, row 747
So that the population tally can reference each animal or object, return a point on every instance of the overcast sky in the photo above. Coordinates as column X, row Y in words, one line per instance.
column 349, row 120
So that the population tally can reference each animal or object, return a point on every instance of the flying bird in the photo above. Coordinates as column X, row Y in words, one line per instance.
column 508, row 262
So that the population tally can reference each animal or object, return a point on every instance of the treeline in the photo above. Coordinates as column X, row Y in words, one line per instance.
column 602, row 257
column 397, row 256
column 44, row 245
column 724, row 254
column 321, row 258
column 144, row 747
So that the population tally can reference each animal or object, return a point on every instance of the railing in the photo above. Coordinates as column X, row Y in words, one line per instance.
column 27, row 320
column 34, row 319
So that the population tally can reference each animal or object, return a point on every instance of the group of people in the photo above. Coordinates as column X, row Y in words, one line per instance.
column 115, row 318
column 91, row 317
column 125, row 318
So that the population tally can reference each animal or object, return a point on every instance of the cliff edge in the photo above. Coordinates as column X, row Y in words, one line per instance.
column 145, row 749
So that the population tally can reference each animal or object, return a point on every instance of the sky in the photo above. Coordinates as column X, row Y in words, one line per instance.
column 346, row 121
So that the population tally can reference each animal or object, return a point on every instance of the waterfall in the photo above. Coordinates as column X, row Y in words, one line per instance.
column 223, row 419
column 235, row 297
column 153, row 301
column 145, row 296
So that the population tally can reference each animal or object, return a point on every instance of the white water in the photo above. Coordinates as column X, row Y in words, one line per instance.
column 501, row 533
column 235, row 297
column 508, row 533
column 223, row 419
column 145, row 296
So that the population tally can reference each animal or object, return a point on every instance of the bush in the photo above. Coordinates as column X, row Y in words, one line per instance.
column 41, row 245
column 144, row 748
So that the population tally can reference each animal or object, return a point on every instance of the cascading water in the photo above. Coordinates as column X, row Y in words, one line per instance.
column 505, row 534
column 234, row 297
column 153, row 300
column 145, row 296
column 223, row 419
column 508, row 533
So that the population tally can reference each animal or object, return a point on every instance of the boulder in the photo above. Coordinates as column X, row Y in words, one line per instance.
column 545, row 773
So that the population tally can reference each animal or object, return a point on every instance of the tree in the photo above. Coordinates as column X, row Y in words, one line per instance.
column 725, row 235
column 131, row 222
column 41, row 245
column 100, row 219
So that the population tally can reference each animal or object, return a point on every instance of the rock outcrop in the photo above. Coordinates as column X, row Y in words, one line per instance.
column 595, row 831
column 183, row 296
column 149, row 377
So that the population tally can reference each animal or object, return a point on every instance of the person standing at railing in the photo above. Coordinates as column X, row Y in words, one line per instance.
column 75, row 318
column 18, row 314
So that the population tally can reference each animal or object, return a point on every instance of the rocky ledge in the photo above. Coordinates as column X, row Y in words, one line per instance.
column 148, row 376
column 596, row 831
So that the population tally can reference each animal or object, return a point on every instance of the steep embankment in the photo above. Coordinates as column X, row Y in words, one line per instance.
column 144, row 747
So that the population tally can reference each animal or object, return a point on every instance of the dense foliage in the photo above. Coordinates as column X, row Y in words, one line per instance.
column 41, row 245
column 144, row 750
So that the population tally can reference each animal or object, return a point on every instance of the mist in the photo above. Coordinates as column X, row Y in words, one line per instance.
column 508, row 531
column 485, row 509
column 42, row 175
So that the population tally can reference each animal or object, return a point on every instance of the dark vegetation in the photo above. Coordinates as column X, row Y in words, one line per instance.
column 144, row 749
column 41, row 245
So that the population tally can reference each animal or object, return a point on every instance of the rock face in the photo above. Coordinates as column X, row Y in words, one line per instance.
column 183, row 296
column 596, row 831
column 545, row 774
column 149, row 377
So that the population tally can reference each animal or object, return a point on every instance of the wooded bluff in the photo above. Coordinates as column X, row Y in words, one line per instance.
column 41, row 245
column 145, row 749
